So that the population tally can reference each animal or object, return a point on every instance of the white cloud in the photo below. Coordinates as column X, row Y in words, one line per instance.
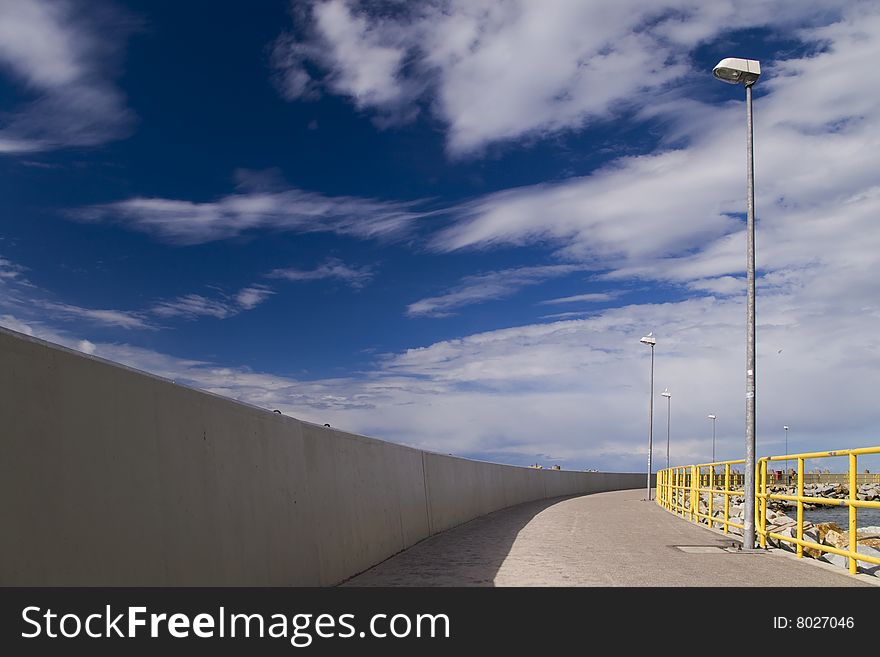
column 193, row 306
column 672, row 215
column 86, row 347
column 567, row 315
column 27, row 300
column 590, row 297
column 633, row 210
column 494, row 71
column 12, row 322
column 10, row 271
column 332, row 268
column 251, row 297
column 487, row 286
column 187, row 222
column 117, row 318
column 62, row 56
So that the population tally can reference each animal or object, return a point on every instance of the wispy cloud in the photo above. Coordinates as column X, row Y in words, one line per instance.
column 251, row 297
column 485, row 287
column 567, row 315
column 495, row 71
column 117, row 318
column 255, row 207
column 64, row 55
column 193, row 306
column 332, row 268
column 592, row 297
column 29, row 301
column 10, row 271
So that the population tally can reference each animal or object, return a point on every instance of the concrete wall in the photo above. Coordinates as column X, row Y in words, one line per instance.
column 109, row 476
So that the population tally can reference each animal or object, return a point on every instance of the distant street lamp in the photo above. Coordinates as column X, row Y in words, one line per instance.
column 712, row 417
column 651, row 341
column 668, row 396
column 746, row 72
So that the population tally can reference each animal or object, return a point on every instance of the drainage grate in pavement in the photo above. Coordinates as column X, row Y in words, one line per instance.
column 700, row 549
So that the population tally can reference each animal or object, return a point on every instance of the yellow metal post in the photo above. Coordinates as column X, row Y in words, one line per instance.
column 664, row 492
column 800, row 507
column 853, row 534
column 682, row 487
column 676, row 485
column 726, row 495
column 763, row 523
column 695, row 486
column 679, row 502
column 711, row 492
column 667, row 481
column 665, row 499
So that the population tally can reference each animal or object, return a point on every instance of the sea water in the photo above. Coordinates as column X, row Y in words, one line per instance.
column 840, row 515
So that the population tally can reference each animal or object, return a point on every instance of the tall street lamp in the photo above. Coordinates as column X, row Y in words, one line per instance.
column 713, row 417
column 668, row 396
column 651, row 341
column 746, row 72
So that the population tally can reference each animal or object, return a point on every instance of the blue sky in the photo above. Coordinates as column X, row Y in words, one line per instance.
column 447, row 224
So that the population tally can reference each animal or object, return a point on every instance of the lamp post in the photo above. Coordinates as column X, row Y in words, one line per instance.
column 746, row 72
column 668, row 396
column 651, row 341
column 786, row 453
column 713, row 417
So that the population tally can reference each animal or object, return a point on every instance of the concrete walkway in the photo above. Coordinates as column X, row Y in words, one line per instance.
column 605, row 539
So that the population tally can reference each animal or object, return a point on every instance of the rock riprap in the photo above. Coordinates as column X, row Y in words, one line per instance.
column 783, row 525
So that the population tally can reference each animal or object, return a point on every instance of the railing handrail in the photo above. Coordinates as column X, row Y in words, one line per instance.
column 680, row 490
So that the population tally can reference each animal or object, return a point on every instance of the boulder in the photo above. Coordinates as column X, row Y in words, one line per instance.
column 836, row 559
column 836, row 539
column 788, row 532
column 872, row 531
column 812, row 535
column 864, row 566
column 869, row 551
column 824, row 527
column 781, row 523
column 783, row 520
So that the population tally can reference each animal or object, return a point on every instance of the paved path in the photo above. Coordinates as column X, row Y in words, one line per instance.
column 606, row 539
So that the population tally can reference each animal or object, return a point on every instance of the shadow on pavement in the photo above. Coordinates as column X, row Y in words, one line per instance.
column 468, row 555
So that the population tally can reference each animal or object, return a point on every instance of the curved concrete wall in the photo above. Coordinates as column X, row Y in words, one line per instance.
column 109, row 476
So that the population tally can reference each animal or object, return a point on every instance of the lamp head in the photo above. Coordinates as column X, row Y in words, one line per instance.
column 666, row 393
column 649, row 339
column 734, row 70
column 786, row 428
column 711, row 417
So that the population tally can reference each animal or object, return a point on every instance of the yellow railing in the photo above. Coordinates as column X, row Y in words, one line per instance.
column 854, row 504
column 681, row 490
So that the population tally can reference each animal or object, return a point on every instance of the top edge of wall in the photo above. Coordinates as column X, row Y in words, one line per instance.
column 24, row 337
